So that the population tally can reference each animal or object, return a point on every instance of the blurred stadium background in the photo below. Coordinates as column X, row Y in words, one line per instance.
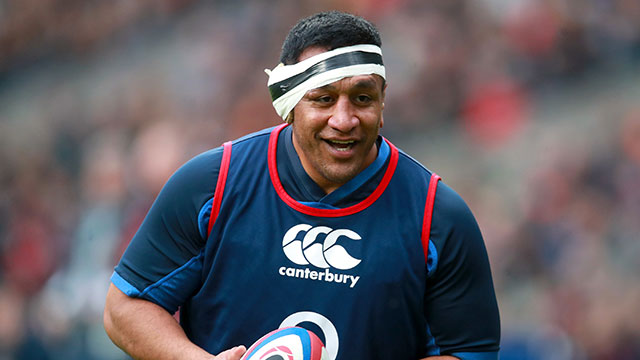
column 529, row 108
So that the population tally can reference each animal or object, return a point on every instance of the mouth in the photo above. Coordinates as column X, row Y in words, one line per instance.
column 341, row 145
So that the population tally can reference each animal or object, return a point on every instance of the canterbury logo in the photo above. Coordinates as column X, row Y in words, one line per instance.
column 322, row 255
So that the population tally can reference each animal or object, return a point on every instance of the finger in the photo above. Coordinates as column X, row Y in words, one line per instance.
column 232, row 354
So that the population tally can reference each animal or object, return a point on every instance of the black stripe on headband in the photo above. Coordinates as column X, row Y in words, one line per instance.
column 339, row 61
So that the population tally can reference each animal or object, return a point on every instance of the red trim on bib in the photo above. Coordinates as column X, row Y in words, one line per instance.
column 428, row 213
column 308, row 210
column 222, row 180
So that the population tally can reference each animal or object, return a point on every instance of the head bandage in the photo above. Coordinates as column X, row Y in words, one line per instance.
column 288, row 83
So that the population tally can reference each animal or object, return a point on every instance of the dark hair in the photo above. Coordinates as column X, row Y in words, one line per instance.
column 331, row 29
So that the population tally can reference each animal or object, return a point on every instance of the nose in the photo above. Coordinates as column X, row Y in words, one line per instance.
column 343, row 117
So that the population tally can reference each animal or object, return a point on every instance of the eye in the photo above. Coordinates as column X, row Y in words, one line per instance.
column 363, row 99
column 324, row 99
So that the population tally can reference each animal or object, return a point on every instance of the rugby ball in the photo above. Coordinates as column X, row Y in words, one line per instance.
column 290, row 343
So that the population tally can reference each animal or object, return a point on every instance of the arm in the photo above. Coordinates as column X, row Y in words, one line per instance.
column 460, row 303
column 145, row 330
column 142, row 298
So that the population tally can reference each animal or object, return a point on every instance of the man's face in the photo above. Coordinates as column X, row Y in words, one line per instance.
column 335, row 127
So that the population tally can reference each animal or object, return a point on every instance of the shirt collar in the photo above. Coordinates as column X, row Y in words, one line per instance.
column 302, row 188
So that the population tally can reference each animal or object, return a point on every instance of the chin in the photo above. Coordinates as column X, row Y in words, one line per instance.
column 341, row 176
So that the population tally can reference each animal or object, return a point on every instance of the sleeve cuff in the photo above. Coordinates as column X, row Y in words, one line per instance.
column 476, row 355
column 124, row 285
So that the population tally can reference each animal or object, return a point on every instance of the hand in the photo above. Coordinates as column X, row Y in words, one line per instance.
column 232, row 354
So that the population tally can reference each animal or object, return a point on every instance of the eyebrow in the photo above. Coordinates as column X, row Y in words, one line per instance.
column 366, row 83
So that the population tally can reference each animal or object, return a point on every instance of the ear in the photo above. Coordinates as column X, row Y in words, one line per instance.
column 384, row 91
column 289, row 118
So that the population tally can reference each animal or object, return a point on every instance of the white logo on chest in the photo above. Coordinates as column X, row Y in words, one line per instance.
column 323, row 255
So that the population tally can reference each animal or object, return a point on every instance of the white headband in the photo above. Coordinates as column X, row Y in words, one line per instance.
column 288, row 83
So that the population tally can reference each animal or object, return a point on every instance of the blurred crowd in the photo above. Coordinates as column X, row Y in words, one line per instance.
column 528, row 106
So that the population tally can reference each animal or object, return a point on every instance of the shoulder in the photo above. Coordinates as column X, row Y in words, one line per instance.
column 203, row 162
column 263, row 134
column 451, row 205
column 411, row 164
column 448, row 201
column 410, row 173
column 452, row 217
column 198, row 174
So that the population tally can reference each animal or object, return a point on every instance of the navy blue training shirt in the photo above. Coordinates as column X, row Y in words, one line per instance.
column 450, row 308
